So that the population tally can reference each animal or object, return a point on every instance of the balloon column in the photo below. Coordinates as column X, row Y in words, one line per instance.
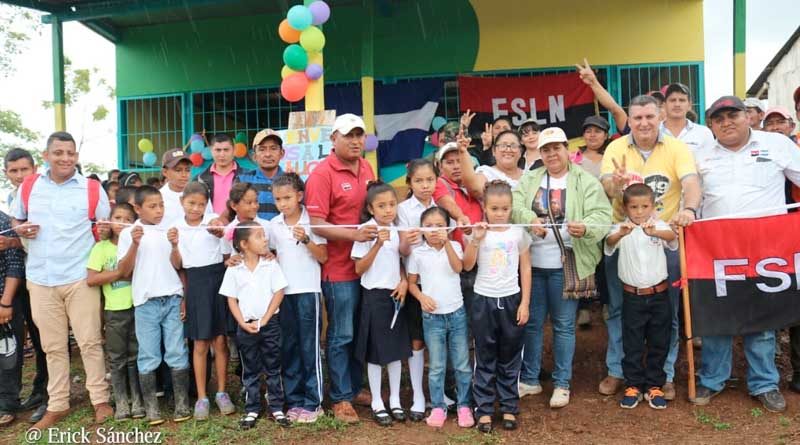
column 302, row 58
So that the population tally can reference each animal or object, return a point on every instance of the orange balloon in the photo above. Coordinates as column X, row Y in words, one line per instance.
column 240, row 150
column 287, row 33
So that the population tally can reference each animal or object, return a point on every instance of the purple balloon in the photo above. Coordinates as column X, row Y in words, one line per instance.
column 314, row 71
column 371, row 143
column 320, row 12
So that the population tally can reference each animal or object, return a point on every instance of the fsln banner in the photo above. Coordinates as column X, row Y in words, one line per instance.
column 743, row 274
column 561, row 100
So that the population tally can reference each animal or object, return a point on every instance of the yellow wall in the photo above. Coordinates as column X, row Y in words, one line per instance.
column 541, row 33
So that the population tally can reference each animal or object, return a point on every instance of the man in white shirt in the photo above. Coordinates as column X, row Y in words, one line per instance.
column 755, row 112
column 677, row 102
column 743, row 171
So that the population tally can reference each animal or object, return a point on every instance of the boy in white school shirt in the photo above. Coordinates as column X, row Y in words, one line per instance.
column 646, row 310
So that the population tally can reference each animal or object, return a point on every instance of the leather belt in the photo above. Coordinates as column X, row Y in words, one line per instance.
column 660, row 287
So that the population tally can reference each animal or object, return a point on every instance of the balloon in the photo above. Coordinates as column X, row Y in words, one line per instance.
column 435, row 139
column 312, row 39
column 299, row 17
column 295, row 57
column 240, row 150
column 438, row 122
column 371, row 143
column 286, row 72
column 195, row 137
column 320, row 12
column 287, row 33
column 241, row 137
column 314, row 71
column 145, row 145
column 149, row 159
column 197, row 145
column 197, row 159
column 294, row 87
column 206, row 153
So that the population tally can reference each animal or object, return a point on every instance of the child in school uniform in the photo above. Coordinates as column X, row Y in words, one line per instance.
column 243, row 203
column 144, row 250
column 254, row 288
column 120, row 330
column 383, row 338
column 300, row 254
column 646, row 313
column 500, row 308
column 444, row 319
column 207, row 317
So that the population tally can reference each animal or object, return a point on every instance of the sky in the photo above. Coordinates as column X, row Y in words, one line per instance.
column 769, row 24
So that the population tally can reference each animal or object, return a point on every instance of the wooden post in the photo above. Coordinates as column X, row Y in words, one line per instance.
column 687, row 314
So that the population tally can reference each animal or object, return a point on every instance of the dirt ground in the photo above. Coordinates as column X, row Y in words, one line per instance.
column 732, row 418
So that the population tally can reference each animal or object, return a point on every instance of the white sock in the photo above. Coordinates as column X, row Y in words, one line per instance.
column 374, row 375
column 394, row 369
column 416, row 367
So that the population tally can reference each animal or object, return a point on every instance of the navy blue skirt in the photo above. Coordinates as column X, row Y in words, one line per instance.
column 207, row 314
column 377, row 341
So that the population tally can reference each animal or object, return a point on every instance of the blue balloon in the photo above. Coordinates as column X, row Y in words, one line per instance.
column 438, row 122
column 299, row 17
column 197, row 145
column 149, row 159
column 207, row 153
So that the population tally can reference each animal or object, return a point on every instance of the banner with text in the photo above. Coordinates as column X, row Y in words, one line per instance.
column 305, row 148
column 743, row 274
column 561, row 100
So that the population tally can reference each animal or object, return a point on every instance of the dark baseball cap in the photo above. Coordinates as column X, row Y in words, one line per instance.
column 173, row 156
column 596, row 121
column 676, row 87
column 725, row 103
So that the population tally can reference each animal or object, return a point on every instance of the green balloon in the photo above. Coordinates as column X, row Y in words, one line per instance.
column 241, row 137
column 295, row 57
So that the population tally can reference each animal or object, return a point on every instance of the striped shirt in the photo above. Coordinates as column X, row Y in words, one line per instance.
column 263, row 185
column 13, row 260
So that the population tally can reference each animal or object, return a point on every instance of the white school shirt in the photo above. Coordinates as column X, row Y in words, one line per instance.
column 498, row 262
column 198, row 247
column 301, row 269
column 254, row 289
column 545, row 252
column 492, row 173
column 410, row 210
column 227, row 244
column 153, row 274
column 385, row 270
column 173, row 209
column 749, row 179
column 438, row 279
column 642, row 262
column 693, row 135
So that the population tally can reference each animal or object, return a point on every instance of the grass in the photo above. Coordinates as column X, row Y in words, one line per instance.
column 474, row 437
column 707, row 419
column 756, row 412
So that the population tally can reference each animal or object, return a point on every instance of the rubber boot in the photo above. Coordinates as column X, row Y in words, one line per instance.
column 180, row 387
column 148, row 383
column 118, row 384
column 137, row 407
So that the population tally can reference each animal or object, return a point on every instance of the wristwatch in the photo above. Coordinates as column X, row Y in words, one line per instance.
column 305, row 240
column 691, row 209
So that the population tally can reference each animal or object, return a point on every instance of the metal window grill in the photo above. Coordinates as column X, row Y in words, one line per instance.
column 640, row 79
column 156, row 118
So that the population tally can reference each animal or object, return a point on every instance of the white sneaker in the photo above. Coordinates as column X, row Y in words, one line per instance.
column 560, row 398
column 529, row 390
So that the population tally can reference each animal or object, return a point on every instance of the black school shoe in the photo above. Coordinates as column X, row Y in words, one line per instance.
column 280, row 418
column 248, row 421
column 382, row 417
column 510, row 424
column 398, row 414
column 416, row 416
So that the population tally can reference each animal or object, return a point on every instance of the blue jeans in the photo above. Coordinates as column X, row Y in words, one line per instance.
column 759, row 350
column 341, row 302
column 157, row 320
column 673, row 275
column 547, row 298
column 446, row 335
column 301, row 362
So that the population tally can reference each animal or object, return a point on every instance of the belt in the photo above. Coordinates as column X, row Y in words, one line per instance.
column 660, row 287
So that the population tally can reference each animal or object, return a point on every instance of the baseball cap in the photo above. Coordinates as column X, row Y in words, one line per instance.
column 448, row 132
column 551, row 134
column 266, row 133
column 345, row 123
column 596, row 121
column 725, row 103
column 532, row 123
column 675, row 87
column 173, row 156
column 778, row 110
column 446, row 148
column 752, row 102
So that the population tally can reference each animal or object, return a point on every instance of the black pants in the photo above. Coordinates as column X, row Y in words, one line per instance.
column 261, row 353
column 121, row 346
column 11, row 379
column 498, row 343
column 794, row 343
column 646, row 320
column 40, row 378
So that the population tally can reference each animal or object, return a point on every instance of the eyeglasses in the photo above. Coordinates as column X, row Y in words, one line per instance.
column 507, row 147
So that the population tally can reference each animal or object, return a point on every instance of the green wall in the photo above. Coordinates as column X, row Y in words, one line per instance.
column 422, row 37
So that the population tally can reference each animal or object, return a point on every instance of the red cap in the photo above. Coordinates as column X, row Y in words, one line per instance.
column 778, row 110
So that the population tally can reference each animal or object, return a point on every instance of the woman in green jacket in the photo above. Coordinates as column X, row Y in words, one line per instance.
column 576, row 201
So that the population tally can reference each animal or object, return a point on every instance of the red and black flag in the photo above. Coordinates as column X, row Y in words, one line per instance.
column 561, row 100
column 743, row 274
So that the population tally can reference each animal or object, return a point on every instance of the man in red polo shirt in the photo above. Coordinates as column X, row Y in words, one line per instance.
column 335, row 192
column 220, row 176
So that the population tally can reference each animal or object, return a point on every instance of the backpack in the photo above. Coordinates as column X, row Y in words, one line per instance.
column 93, row 189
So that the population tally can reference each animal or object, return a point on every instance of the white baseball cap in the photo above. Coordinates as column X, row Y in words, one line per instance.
column 446, row 148
column 550, row 135
column 345, row 123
